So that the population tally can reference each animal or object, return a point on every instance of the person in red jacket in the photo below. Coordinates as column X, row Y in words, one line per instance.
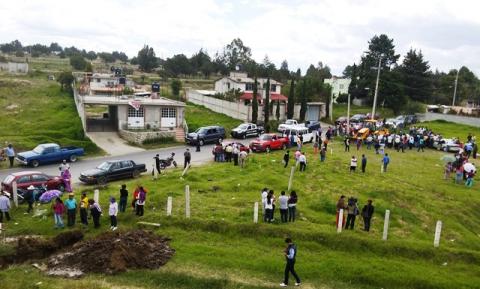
column 58, row 211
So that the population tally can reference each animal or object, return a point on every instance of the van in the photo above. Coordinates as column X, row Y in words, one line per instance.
column 308, row 136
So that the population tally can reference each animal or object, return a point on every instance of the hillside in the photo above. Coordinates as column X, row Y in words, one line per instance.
column 220, row 247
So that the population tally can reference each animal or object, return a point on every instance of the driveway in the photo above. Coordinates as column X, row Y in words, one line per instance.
column 112, row 144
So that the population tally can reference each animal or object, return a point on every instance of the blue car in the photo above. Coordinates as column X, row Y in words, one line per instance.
column 49, row 153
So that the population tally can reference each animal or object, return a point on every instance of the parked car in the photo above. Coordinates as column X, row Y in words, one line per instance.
column 267, row 142
column 401, row 121
column 247, row 129
column 447, row 145
column 207, row 134
column 310, row 124
column 32, row 178
column 49, row 153
column 357, row 118
column 299, row 130
column 112, row 170
column 340, row 120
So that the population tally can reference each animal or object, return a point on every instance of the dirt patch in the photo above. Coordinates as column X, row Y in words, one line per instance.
column 112, row 252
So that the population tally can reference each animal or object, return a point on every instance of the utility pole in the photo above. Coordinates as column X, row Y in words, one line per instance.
column 348, row 115
column 376, row 87
column 455, row 89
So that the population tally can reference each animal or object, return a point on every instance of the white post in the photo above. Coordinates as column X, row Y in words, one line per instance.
column 385, row 225
column 187, row 201
column 381, row 168
column 438, row 231
column 155, row 173
column 340, row 221
column 255, row 213
column 331, row 151
column 96, row 195
column 292, row 171
column 15, row 193
column 185, row 170
column 169, row 206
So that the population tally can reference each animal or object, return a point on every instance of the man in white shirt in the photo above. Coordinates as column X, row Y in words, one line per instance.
column 264, row 201
column 353, row 164
column 283, row 200
column 64, row 166
column 302, row 159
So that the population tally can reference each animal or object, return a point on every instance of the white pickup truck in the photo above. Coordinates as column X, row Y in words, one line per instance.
column 290, row 123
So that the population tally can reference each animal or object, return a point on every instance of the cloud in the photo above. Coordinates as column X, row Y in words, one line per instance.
column 302, row 32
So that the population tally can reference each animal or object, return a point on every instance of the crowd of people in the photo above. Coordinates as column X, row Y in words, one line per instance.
column 351, row 211
column 231, row 152
column 287, row 206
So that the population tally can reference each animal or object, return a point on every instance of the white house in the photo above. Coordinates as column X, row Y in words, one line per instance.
column 240, row 80
column 339, row 86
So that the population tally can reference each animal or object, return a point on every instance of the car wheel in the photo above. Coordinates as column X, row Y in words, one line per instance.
column 35, row 163
column 102, row 180
column 61, row 188
column 201, row 142
column 268, row 149
column 135, row 174
column 73, row 158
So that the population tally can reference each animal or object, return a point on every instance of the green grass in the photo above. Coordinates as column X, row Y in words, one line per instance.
column 36, row 111
column 340, row 109
column 197, row 116
column 450, row 129
column 220, row 247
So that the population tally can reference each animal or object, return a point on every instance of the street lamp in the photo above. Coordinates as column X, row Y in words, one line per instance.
column 455, row 89
column 376, row 85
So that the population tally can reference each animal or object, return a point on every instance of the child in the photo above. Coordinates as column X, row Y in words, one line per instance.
column 58, row 211
column 112, row 212
column 95, row 212
column 469, row 182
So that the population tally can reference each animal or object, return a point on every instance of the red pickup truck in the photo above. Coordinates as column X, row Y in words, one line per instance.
column 267, row 142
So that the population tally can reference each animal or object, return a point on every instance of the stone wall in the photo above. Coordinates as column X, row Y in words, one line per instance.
column 138, row 137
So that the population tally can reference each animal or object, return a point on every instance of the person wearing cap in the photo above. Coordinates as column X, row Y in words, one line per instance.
column 83, row 209
column 29, row 197
column 112, row 212
column 187, row 157
column 63, row 166
column 290, row 256
column 71, row 206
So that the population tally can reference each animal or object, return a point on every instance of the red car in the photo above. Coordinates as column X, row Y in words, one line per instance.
column 267, row 142
column 27, row 178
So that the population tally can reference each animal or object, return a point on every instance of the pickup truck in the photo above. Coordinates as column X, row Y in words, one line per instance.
column 247, row 129
column 289, row 123
column 267, row 142
column 49, row 153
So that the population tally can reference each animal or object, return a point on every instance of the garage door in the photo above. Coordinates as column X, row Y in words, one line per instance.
column 313, row 113
column 169, row 117
column 136, row 118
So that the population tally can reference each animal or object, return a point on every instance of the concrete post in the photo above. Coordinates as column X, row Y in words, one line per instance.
column 385, row 225
column 438, row 231
column 340, row 221
column 15, row 193
column 187, row 201
column 155, row 172
column 169, row 206
column 96, row 195
column 255, row 213
column 290, row 180
column 331, row 151
column 185, row 170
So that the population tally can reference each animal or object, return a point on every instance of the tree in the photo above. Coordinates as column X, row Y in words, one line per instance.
column 178, row 64
column 66, row 79
column 277, row 111
column 291, row 100
column 146, row 59
column 255, row 101
column 78, row 62
column 176, row 86
column 107, row 57
column 391, row 93
column 91, row 55
column 200, row 62
column 266, row 105
column 303, row 100
column 54, row 47
column 416, row 76
column 284, row 71
column 235, row 53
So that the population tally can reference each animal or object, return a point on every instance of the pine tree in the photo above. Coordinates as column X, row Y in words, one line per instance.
column 255, row 102
column 303, row 101
column 416, row 76
column 277, row 112
column 291, row 100
column 266, row 105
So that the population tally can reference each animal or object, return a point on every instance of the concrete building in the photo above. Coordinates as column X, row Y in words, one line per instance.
column 339, row 86
column 14, row 67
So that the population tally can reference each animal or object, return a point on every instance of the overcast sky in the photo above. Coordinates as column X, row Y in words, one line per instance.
column 335, row 32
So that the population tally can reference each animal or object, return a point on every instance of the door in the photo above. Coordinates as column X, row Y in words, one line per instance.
column 136, row 118
column 116, row 171
column 313, row 113
column 169, row 117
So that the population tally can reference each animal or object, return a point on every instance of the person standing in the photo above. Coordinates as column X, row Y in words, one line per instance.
column 10, row 154
column 4, row 207
column 346, row 142
column 367, row 213
column 157, row 163
column 83, row 209
column 67, row 180
column 95, row 212
column 290, row 255
column 353, row 164
column 283, row 200
column 352, row 210
column 302, row 159
column 235, row 153
column 286, row 158
column 141, row 201
column 323, row 154
column 364, row 163
column 112, row 212
column 123, row 198
column 264, row 202
column 385, row 161
column 228, row 153
column 197, row 144
column 187, row 156
column 340, row 205
column 71, row 205
column 29, row 197
column 421, row 144
column 292, row 206
column 58, row 211
column 315, row 146
column 63, row 166
column 469, row 181
column 243, row 158
column 269, row 207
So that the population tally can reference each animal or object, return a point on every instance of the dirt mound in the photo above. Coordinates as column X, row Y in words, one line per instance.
column 112, row 252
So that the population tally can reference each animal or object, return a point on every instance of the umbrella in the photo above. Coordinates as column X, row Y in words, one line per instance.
column 48, row 196
column 448, row 158
column 469, row 167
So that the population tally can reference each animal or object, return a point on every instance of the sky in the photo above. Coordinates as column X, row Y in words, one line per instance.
column 335, row 32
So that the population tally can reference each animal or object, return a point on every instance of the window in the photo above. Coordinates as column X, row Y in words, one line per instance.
column 39, row 178
column 116, row 166
column 249, row 86
column 273, row 87
column 341, row 86
column 132, row 112
column 127, row 164
column 23, row 179
column 169, row 112
column 228, row 85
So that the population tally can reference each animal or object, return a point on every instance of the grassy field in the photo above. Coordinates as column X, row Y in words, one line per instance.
column 450, row 129
column 36, row 111
column 220, row 247
column 340, row 109
column 197, row 116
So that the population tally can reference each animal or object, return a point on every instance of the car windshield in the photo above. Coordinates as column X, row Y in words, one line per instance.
column 105, row 166
column 265, row 137
column 400, row 117
column 290, row 122
column 38, row 149
column 201, row 130
column 243, row 126
column 8, row 179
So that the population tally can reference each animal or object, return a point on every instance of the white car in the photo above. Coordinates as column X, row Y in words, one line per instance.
column 447, row 145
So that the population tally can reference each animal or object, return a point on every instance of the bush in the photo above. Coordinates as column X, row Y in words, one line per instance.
column 413, row 107
column 176, row 86
column 78, row 62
